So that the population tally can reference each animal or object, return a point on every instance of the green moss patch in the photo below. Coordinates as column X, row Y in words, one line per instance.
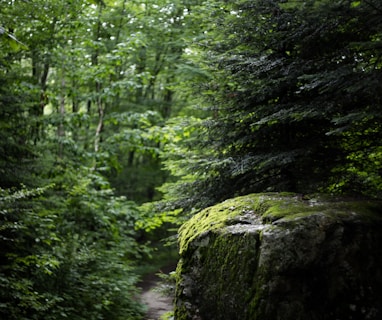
column 270, row 207
column 214, row 218
column 263, row 256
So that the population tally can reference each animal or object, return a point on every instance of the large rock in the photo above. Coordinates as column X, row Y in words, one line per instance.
column 280, row 256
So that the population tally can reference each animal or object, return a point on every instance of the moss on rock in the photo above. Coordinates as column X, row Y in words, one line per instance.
column 280, row 256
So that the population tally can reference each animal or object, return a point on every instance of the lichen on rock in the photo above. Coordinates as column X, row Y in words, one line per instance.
column 281, row 256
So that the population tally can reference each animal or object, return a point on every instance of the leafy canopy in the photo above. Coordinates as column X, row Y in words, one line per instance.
column 294, row 101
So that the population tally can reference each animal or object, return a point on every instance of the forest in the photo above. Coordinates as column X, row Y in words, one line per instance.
column 120, row 119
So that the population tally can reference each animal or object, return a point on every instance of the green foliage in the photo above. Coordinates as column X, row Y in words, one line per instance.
column 68, row 249
column 293, row 99
column 86, row 90
column 67, row 252
column 363, row 162
column 16, row 129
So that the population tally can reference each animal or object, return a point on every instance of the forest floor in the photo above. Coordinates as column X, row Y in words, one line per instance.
column 157, row 302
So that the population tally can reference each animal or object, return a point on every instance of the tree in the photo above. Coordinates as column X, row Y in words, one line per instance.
column 68, row 242
column 152, row 62
column 294, row 101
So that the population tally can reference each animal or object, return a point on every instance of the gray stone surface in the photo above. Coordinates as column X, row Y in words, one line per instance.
column 280, row 257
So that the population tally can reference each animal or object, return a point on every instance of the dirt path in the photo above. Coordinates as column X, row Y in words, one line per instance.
column 157, row 303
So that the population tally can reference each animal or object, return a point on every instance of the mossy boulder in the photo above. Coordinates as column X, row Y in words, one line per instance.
column 281, row 256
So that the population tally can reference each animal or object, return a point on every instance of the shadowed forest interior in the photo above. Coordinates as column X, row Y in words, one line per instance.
column 120, row 120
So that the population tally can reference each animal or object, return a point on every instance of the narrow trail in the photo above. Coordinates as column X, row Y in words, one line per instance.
column 157, row 303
